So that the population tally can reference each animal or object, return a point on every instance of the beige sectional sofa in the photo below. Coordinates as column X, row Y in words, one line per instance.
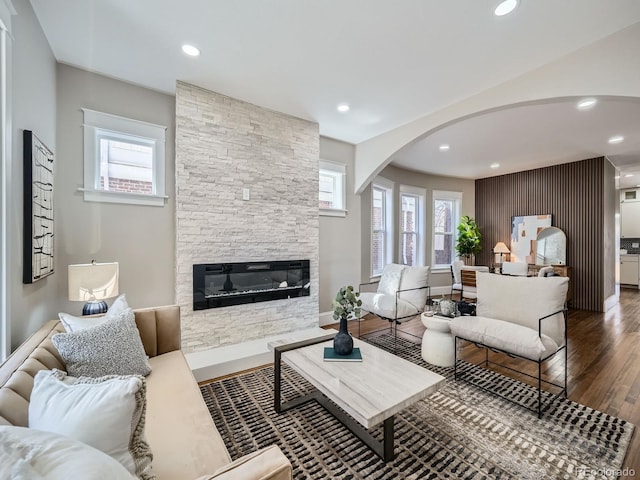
column 179, row 429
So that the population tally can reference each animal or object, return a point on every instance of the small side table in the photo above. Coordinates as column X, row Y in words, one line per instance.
column 438, row 345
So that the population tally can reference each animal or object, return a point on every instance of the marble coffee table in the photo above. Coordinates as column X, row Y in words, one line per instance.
column 362, row 394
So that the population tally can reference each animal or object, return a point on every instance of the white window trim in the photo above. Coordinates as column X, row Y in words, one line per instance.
column 445, row 195
column 122, row 126
column 342, row 169
column 421, row 193
column 388, row 186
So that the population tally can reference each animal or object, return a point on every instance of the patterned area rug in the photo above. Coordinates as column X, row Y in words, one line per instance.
column 459, row 432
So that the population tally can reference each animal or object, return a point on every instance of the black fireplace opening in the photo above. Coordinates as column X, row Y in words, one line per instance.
column 225, row 284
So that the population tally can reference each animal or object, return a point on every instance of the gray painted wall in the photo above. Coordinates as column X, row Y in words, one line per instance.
column 140, row 238
column 339, row 236
column 415, row 179
column 33, row 72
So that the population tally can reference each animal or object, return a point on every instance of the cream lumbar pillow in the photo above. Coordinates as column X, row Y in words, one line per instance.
column 27, row 453
column 74, row 324
column 112, row 348
column 106, row 413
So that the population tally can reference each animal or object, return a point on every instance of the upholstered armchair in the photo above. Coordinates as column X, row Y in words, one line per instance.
column 401, row 294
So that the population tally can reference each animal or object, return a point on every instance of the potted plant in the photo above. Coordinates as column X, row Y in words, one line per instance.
column 469, row 238
column 346, row 305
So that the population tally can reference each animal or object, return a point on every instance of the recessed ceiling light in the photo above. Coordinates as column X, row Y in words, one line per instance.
column 343, row 107
column 190, row 50
column 617, row 177
column 444, row 147
column 587, row 103
column 494, row 165
column 505, row 7
column 628, row 175
column 616, row 139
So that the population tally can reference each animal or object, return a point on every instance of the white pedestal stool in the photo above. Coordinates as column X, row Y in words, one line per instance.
column 438, row 345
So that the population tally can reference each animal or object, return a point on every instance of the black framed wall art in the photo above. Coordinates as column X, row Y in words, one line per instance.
column 38, row 260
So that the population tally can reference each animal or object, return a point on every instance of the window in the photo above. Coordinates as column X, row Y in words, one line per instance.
column 124, row 160
column 381, row 223
column 411, row 225
column 446, row 217
column 332, row 189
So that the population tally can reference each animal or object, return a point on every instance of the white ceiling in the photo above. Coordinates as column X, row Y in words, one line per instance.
column 392, row 60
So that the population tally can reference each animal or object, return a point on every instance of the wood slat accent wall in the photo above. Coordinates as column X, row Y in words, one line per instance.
column 573, row 194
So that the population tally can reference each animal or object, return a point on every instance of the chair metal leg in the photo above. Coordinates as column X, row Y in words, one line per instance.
column 539, row 389
column 455, row 358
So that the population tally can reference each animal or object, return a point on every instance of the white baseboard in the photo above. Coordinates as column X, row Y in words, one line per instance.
column 611, row 302
column 443, row 290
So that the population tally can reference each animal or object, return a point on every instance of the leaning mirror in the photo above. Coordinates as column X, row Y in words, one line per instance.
column 551, row 247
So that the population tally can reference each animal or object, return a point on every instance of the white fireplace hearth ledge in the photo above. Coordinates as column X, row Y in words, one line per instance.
column 228, row 359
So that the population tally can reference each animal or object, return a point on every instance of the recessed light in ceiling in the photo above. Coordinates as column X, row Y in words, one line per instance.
column 616, row 139
column 444, row 147
column 628, row 175
column 343, row 107
column 587, row 103
column 505, row 7
column 190, row 50
column 495, row 165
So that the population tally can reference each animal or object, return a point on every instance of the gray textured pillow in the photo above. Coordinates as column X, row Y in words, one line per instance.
column 112, row 348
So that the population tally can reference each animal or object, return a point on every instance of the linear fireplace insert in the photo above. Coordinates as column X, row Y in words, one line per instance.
column 224, row 284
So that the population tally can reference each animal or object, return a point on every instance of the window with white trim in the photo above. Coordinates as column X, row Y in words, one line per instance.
column 381, row 226
column 446, row 217
column 412, row 225
column 124, row 160
column 332, row 186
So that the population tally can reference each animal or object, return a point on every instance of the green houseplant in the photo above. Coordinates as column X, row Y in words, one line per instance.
column 345, row 305
column 469, row 238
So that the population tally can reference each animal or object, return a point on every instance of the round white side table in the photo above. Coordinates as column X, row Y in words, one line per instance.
column 438, row 345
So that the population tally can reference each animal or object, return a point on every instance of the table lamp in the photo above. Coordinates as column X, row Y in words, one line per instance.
column 93, row 283
column 502, row 249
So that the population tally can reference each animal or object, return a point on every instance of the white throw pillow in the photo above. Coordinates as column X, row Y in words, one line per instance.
column 27, row 453
column 75, row 324
column 524, row 300
column 415, row 278
column 106, row 413
column 390, row 279
column 112, row 348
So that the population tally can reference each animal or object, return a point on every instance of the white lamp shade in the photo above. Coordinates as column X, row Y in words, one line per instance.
column 500, row 248
column 93, row 281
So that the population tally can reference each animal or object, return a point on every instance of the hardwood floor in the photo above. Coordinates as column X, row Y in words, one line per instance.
column 603, row 361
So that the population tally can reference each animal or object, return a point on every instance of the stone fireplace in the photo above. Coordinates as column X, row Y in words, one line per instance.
column 246, row 191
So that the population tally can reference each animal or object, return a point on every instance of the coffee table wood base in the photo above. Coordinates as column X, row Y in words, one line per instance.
column 383, row 449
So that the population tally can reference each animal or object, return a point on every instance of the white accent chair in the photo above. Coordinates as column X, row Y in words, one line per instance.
column 402, row 293
column 523, row 317
column 456, row 278
column 468, row 280
column 518, row 269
